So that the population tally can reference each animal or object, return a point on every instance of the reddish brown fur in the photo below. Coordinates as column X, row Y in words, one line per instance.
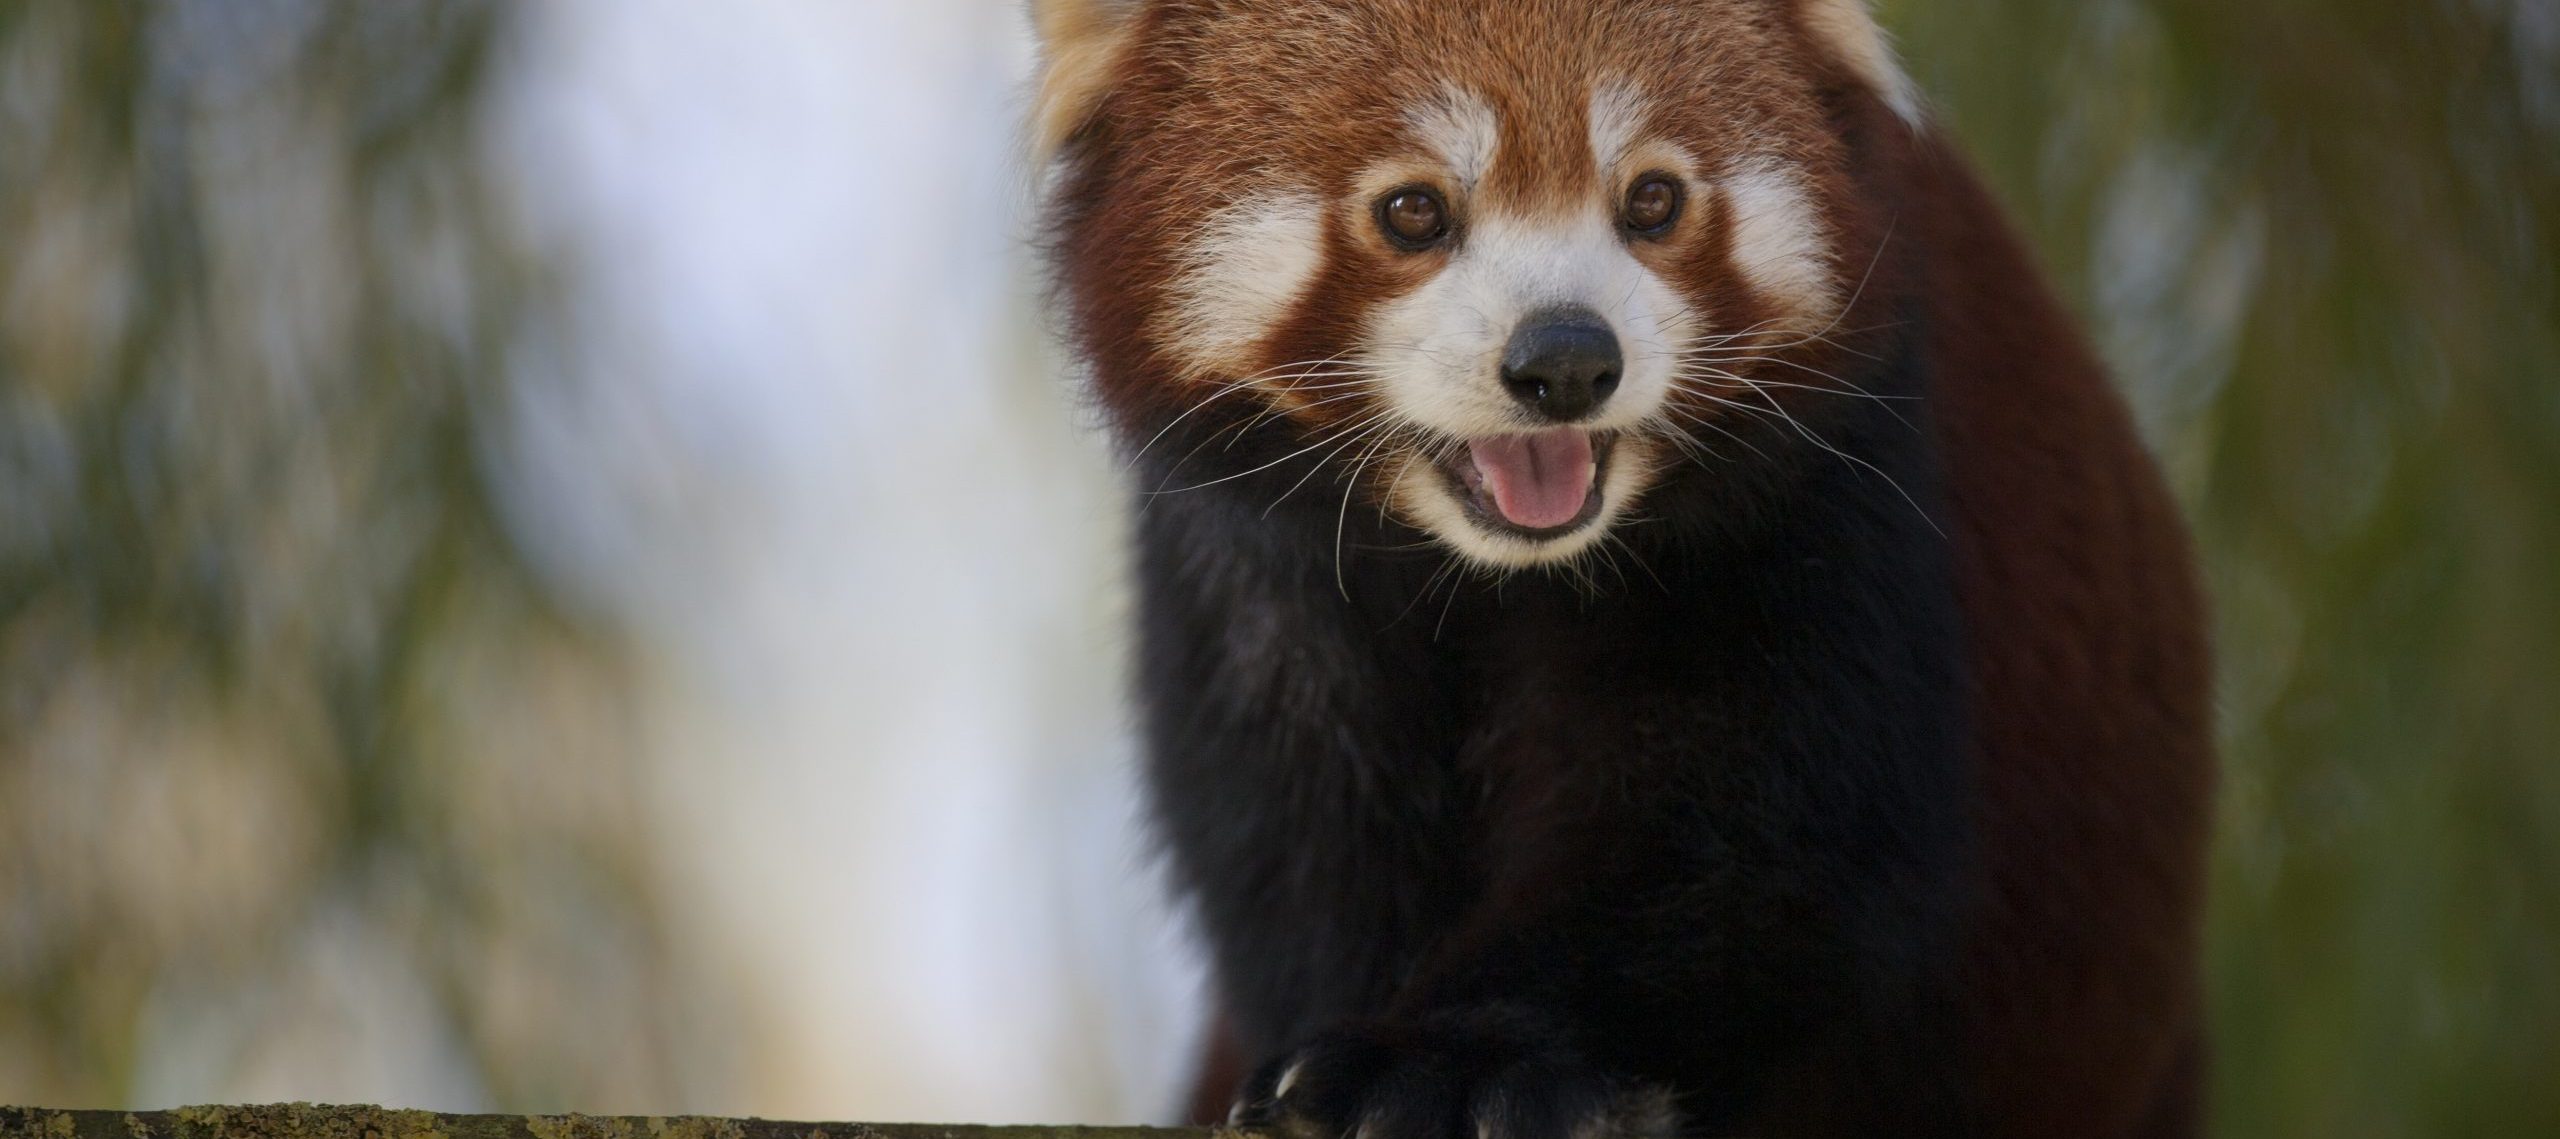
column 2095, row 733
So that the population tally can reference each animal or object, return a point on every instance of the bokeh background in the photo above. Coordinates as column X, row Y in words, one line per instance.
column 546, row 563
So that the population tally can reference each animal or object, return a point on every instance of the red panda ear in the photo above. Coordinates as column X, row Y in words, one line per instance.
column 1848, row 31
column 1081, row 43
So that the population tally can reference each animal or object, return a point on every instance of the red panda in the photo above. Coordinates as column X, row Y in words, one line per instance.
column 1651, row 618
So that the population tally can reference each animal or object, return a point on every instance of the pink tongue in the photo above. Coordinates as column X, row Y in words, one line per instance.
column 1538, row 482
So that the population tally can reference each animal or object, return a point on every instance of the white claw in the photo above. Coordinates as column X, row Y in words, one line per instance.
column 1288, row 1080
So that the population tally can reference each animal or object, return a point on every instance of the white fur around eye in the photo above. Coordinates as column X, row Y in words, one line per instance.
column 1461, row 131
column 1617, row 117
column 1779, row 243
column 1240, row 277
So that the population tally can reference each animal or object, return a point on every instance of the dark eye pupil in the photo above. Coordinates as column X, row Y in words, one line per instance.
column 1415, row 216
column 1651, row 204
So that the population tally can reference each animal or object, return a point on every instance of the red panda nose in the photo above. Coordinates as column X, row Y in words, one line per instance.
column 1562, row 363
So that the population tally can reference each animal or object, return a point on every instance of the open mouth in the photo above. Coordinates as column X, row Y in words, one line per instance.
column 1540, row 486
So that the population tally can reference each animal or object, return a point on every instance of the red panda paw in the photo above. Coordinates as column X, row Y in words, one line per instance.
column 1436, row 1083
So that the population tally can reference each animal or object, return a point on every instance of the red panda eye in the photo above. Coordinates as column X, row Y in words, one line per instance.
column 1653, row 204
column 1415, row 217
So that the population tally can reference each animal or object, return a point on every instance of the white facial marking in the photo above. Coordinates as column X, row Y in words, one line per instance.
column 1778, row 240
column 1462, row 131
column 1240, row 277
column 1850, row 31
column 1617, row 115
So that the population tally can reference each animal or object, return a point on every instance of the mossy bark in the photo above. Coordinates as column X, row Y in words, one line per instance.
column 316, row 1121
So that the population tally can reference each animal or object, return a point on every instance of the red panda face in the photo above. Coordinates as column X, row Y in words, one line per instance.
column 1506, row 263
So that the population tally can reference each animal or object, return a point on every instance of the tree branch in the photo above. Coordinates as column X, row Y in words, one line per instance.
column 315, row 1121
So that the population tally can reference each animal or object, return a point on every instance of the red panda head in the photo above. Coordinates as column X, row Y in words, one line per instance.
column 1505, row 264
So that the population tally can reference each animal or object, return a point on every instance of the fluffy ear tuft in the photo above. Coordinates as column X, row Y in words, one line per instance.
column 1080, row 43
column 1848, row 30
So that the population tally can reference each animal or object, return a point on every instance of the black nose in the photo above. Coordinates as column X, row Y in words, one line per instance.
column 1563, row 363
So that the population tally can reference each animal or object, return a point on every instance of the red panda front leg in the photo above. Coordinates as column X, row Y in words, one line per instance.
column 1480, row 1072
column 1851, row 1048
column 1678, row 976
column 1574, row 1040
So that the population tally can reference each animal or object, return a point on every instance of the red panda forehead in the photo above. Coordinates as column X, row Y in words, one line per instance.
column 1325, row 93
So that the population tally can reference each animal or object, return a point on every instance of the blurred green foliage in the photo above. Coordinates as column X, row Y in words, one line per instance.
column 257, row 605
column 2321, row 243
